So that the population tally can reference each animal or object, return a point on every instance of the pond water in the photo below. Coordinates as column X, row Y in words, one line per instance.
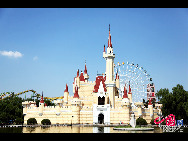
column 70, row 129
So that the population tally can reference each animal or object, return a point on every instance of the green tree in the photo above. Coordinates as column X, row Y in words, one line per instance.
column 175, row 102
column 10, row 109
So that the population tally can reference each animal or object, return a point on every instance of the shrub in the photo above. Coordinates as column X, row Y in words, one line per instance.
column 19, row 121
column 46, row 122
column 141, row 121
column 31, row 121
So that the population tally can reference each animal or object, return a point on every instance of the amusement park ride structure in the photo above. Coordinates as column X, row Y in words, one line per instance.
column 35, row 94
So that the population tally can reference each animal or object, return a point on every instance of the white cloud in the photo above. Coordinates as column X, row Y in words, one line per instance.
column 35, row 58
column 14, row 54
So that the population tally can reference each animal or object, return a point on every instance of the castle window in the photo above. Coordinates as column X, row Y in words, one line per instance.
column 101, row 101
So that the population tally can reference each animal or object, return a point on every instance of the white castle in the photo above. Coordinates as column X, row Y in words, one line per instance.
column 97, row 102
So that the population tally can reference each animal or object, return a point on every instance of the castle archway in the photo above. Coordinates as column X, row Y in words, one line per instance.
column 101, row 118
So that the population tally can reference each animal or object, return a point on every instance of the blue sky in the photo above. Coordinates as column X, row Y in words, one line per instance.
column 54, row 43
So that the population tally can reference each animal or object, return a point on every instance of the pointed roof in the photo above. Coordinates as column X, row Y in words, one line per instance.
column 77, row 73
column 98, row 80
column 125, row 92
column 130, row 88
column 66, row 89
column 76, row 92
column 82, row 77
column 42, row 100
column 85, row 71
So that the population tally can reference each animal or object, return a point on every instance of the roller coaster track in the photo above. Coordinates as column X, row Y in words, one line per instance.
column 9, row 94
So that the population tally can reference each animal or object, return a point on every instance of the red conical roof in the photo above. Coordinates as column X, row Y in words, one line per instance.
column 129, row 88
column 82, row 77
column 125, row 92
column 78, row 73
column 76, row 92
column 98, row 80
column 85, row 71
column 66, row 89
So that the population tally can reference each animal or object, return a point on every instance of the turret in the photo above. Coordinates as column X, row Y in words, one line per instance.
column 117, row 80
column 76, row 81
column 130, row 93
column 86, row 76
column 76, row 93
column 150, row 106
column 75, row 108
column 125, row 92
column 41, row 105
column 82, row 77
column 110, row 83
column 66, row 94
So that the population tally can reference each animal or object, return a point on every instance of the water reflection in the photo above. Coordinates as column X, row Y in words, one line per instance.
column 81, row 129
column 70, row 129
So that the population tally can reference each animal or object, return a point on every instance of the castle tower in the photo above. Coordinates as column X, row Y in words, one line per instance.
column 41, row 105
column 110, row 84
column 117, row 80
column 86, row 76
column 76, row 81
column 66, row 94
column 75, row 108
column 125, row 92
column 76, row 93
column 130, row 93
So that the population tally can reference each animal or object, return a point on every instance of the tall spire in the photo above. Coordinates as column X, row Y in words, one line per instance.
column 42, row 100
column 85, row 71
column 109, row 38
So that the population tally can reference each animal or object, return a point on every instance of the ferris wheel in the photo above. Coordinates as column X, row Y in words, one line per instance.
column 136, row 76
